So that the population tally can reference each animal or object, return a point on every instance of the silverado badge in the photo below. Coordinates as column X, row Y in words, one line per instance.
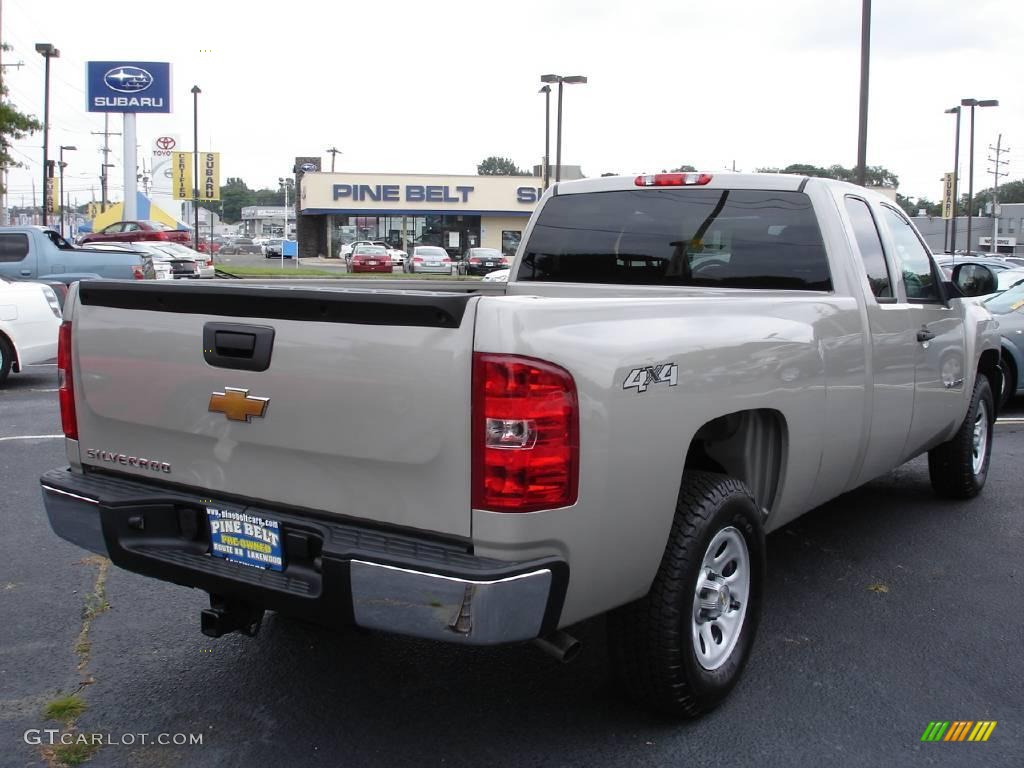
column 237, row 405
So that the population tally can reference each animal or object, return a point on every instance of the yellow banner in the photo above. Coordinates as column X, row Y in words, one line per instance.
column 181, row 175
column 52, row 194
column 947, row 196
column 209, row 176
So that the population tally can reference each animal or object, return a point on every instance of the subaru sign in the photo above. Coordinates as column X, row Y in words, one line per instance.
column 128, row 86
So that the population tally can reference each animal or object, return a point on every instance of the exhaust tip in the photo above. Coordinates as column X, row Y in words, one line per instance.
column 560, row 645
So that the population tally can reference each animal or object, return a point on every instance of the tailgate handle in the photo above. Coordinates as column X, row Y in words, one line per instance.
column 237, row 346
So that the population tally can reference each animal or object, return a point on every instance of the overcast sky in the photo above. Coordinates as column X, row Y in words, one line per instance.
column 417, row 87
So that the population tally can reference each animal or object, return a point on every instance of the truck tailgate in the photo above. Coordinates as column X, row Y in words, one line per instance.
column 367, row 396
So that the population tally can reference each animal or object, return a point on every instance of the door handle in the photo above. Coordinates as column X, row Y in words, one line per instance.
column 26, row 272
column 925, row 335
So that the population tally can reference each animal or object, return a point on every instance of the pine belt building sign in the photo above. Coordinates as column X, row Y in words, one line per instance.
column 209, row 176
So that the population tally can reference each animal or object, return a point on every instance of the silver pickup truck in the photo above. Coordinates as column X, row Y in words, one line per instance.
column 679, row 364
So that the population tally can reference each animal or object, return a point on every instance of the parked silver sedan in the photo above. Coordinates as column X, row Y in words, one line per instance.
column 430, row 258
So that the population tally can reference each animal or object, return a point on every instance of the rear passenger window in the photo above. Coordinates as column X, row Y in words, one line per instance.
column 13, row 246
column 915, row 263
column 870, row 246
column 702, row 237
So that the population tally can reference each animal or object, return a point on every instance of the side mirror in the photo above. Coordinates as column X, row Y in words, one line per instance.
column 974, row 280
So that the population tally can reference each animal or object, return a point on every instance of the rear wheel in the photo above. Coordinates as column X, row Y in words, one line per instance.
column 958, row 468
column 6, row 358
column 682, row 648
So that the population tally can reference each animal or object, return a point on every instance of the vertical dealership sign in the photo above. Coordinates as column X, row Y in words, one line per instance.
column 129, row 87
column 947, row 196
column 209, row 175
column 181, row 175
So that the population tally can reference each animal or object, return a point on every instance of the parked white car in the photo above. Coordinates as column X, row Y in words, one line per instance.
column 30, row 318
column 497, row 276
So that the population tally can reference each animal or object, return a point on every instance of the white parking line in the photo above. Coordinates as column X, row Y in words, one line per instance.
column 31, row 437
column 44, row 390
column 1013, row 420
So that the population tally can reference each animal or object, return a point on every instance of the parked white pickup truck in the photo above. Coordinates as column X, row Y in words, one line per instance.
column 679, row 364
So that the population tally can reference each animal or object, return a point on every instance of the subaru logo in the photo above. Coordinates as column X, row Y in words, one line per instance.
column 127, row 79
column 307, row 167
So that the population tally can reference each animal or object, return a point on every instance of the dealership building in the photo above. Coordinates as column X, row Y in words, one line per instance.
column 454, row 212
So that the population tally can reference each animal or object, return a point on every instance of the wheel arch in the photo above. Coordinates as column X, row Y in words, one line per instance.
column 15, row 359
column 988, row 366
column 750, row 446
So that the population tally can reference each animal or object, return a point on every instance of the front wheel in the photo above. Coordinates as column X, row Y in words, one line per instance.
column 680, row 649
column 958, row 468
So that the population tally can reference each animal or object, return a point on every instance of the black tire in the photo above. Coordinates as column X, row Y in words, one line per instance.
column 951, row 466
column 651, row 643
column 6, row 359
column 1009, row 381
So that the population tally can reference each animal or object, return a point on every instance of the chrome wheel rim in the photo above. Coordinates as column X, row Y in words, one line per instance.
column 720, row 598
column 980, row 439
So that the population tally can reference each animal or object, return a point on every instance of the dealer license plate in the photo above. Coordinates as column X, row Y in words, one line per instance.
column 245, row 539
column 372, row 263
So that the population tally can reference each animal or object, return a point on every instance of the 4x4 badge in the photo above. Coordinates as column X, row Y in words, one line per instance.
column 237, row 405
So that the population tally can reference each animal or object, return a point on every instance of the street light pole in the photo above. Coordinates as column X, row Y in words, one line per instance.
column 47, row 51
column 62, row 165
column 195, row 163
column 956, row 180
column 546, row 90
column 865, row 59
column 571, row 80
column 972, row 103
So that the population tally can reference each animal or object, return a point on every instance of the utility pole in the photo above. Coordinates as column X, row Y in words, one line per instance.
column 106, row 134
column 996, row 173
column 334, row 152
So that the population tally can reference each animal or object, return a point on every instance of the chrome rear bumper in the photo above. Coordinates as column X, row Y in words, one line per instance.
column 335, row 573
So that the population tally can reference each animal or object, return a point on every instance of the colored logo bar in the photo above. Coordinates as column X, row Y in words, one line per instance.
column 958, row 730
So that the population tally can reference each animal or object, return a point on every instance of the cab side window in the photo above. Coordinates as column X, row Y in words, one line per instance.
column 13, row 246
column 870, row 246
column 112, row 229
column 915, row 263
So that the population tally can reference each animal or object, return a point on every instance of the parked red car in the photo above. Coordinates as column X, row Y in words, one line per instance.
column 205, row 246
column 134, row 231
column 370, row 258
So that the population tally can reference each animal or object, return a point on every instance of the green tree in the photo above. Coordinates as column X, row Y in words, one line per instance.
column 499, row 166
column 14, row 126
column 684, row 169
column 1011, row 192
column 610, row 174
column 874, row 175
column 234, row 196
column 912, row 208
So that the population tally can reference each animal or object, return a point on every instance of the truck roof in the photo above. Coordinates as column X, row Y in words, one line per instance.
column 786, row 182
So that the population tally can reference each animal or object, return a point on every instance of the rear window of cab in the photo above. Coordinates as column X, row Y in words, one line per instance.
column 684, row 237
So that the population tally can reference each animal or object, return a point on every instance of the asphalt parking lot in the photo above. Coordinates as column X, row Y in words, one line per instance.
column 885, row 609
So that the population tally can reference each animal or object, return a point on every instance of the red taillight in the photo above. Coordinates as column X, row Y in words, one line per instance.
column 504, row 262
column 65, row 382
column 161, row 236
column 474, row 261
column 672, row 179
column 417, row 259
column 525, row 434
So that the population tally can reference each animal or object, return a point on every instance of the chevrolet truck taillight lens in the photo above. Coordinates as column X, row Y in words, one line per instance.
column 65, row 382
column 525, row 436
